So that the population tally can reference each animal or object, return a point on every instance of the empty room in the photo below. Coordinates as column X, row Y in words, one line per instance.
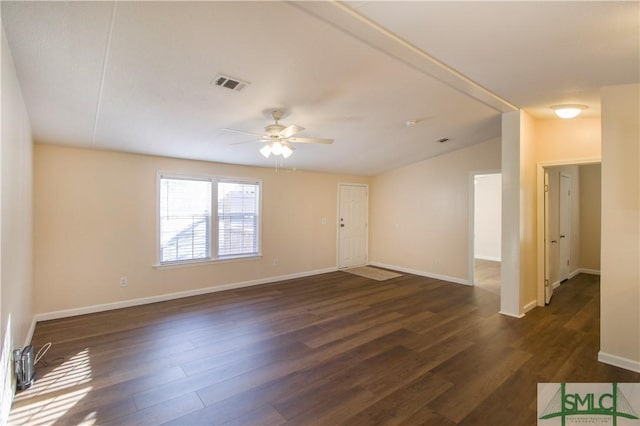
column 265, row 213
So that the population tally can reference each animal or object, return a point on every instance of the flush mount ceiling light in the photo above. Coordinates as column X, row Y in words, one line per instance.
column 568, row 110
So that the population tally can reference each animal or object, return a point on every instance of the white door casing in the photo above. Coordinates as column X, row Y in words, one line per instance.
column 353, row 209
column 548, row 287
column 564, row 239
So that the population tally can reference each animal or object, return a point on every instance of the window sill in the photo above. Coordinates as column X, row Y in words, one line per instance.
column 205, row 262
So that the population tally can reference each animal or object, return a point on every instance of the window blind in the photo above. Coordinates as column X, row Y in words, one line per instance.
column 185, row 219
column 238, row 218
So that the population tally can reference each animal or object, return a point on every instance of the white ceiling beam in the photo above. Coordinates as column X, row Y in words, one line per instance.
column 348, row 20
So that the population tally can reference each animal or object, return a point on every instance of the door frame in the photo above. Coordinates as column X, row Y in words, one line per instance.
column 564, row 214
column 540, row 249
column 366, row 241
column 548, row 288
column 471, row 218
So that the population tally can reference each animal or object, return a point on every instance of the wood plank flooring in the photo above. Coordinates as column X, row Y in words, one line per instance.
column 488, row 275
column 331, row 349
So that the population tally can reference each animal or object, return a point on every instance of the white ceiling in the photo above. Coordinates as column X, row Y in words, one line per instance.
column 135, row 76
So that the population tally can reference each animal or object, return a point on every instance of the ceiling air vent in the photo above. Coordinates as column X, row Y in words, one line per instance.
column 230, row 83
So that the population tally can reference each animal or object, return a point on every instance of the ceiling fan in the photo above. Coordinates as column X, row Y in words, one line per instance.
column 278, row 139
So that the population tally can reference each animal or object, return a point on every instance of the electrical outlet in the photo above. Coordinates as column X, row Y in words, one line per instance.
column 123, row 282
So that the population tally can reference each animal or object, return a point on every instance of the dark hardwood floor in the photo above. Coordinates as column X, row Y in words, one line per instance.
column 330, row 349
column 488, row 275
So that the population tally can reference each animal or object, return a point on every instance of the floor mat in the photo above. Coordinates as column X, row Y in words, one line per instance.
column 372, row 273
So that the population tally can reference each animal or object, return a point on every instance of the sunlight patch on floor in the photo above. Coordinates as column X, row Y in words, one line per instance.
column 54, row 394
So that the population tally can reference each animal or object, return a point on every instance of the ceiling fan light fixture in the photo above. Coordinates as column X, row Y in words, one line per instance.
column 286, row 151
column 279, row 140
column 569, row 110
column 277, row 148
column 266, row 151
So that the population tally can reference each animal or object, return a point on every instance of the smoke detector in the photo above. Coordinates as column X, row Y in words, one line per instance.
column 231, row 83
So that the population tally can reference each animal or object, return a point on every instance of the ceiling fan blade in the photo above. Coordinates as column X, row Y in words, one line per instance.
column 243, row 142
column 311, row 140
column 290, row 131
column 243, row 132
column 262, row 139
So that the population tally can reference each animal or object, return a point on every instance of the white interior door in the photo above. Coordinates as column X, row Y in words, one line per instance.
column 565, row 227
column 548, row 288
column 352, row 225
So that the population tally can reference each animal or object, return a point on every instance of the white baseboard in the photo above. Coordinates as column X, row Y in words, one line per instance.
column 492, row 258
column 618, row 361
column 529, row 306
column 584, row 271
column 421, row 273
column 170, row 296
column 509, row 314
column 589, row 271
column 32, row 328
column 576, row 272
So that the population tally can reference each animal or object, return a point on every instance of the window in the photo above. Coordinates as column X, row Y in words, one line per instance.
column 238, row 205
column 185, row 219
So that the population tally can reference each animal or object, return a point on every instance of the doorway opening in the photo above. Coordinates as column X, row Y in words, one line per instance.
column 486, row 226
column 569, row 206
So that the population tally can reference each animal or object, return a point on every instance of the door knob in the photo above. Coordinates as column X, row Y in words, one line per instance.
column 342, row 225
column 561, row 236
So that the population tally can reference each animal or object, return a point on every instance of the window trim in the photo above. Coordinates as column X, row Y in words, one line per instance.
column 213, row 221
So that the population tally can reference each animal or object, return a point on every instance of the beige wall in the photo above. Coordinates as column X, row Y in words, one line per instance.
column 560, row 140
column 620, row 262
column 511, row 217
column 419, row 214
column 488, row 217
column 590, row 206
column 16, row 252
column 95, row 221
column 528, row 225
column 16, row 190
